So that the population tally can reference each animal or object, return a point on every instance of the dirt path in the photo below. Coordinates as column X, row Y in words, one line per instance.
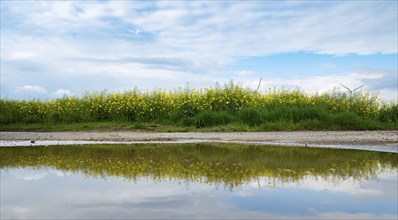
column 380, row 138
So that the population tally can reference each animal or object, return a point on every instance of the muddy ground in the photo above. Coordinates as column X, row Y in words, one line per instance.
column 379, row 138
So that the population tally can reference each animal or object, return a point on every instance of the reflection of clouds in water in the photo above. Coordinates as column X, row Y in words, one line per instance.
column 29, row 174
column 62, row 173
column 342, row 215
column 22, row 210
column 140, row 191
column 359, row 189
column 95, row 198
column 349, row 186
column 35, row 174
column 17, row 212
column 29, row 177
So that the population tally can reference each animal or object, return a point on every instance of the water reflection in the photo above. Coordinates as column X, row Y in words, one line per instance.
column 196, row 181
column 230, row 166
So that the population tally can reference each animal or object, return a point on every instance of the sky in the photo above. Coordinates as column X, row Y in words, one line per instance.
column 50, row 49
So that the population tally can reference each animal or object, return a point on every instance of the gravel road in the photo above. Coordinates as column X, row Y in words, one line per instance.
column 336, row 139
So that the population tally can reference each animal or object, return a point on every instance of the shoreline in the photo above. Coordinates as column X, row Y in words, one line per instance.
column 386, row 141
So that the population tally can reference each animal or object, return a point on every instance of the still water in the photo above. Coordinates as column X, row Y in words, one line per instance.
column 196, row 181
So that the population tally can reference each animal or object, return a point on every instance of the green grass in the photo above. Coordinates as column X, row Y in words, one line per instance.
column 230, row 127
column 230, row 108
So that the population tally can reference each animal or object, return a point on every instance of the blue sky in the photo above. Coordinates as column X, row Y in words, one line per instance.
column 55, row 48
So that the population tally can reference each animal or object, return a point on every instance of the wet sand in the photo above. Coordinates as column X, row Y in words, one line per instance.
column 369, row 140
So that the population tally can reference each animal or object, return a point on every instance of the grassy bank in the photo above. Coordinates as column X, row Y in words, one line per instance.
column 227, row 108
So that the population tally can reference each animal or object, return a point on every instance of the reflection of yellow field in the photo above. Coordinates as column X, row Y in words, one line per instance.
column 229, row 165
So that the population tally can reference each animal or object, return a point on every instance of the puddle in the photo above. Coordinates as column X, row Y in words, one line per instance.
column 204, row 180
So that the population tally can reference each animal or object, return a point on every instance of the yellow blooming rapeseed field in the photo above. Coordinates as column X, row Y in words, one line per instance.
column 211, row 106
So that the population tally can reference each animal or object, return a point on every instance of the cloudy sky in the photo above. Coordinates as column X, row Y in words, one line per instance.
column 51, row 49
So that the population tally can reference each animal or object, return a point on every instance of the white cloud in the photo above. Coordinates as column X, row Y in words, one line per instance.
column 389, row 94
column 31, row 89
column 63, row 92
column 245, row 73
column 373, row 82
column 200, row 30
column 163, row 44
